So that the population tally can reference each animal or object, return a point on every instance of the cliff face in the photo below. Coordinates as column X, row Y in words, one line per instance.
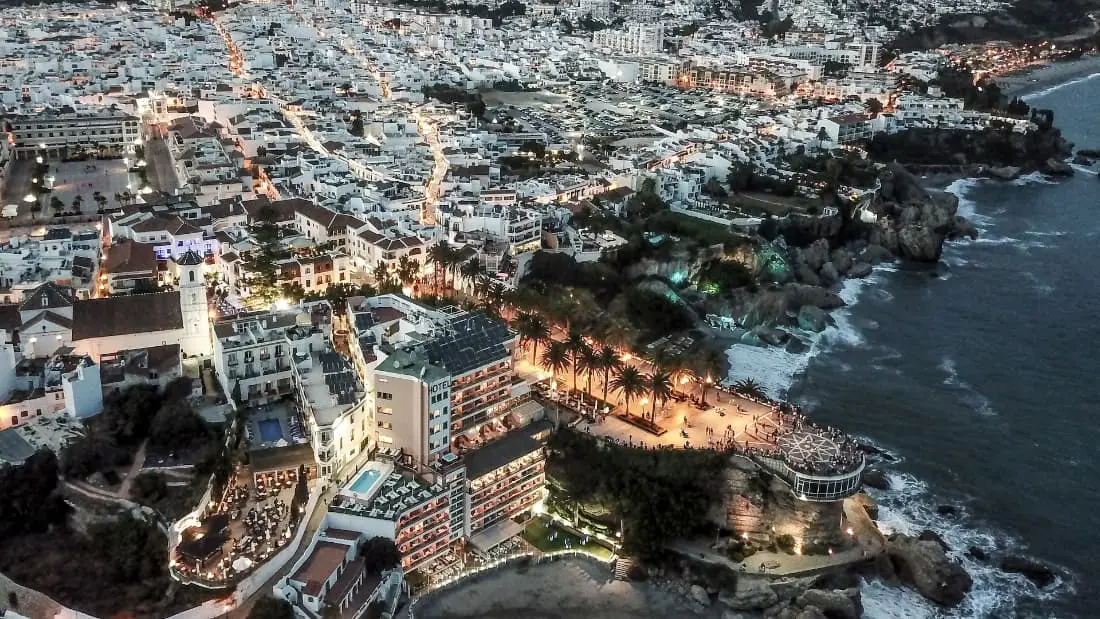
column 993, row 147
column 760, row 506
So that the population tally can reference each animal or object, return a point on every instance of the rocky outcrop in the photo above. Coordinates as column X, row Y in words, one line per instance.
column 1003, row 173
column 751, row 594
column 990, row 147
column 760, row 507
column 699, row 595
column 876, row 479
column 812, row 318
column 1039, row 573
column 1056, row 167
column 910, row 222
column 835, row 604
column 925, row 566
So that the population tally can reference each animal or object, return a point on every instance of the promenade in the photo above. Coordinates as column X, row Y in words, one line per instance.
column 728, row 421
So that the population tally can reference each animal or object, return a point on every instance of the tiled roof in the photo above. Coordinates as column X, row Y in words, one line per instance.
column 131, row 257
column 124, row 315
column 54, row 297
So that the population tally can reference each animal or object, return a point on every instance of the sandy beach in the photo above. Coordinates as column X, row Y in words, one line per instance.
column 558, row 590
column 1047, row 75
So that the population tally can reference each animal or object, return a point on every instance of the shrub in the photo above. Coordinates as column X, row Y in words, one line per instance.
column 785, row 543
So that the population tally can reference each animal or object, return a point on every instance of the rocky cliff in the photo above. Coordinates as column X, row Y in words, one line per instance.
column 760, row 507
column 1029, row 151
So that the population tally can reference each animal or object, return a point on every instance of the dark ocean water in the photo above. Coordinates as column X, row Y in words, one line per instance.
column 985, row 382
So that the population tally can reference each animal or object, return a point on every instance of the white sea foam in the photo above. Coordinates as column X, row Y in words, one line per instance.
column 1046, row 91
column 960, row 188
column 776, row 369
column 1084, row 169
column 1035, row 178
column 908, row 507
column 968, row 394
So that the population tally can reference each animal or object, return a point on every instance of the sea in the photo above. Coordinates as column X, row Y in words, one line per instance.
column 979, row 379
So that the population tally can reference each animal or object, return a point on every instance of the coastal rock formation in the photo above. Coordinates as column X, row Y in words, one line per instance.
column 1056, row 167
column 926, row 566
column 835, row 604
column 751, row 594
column 876, row 479
column 1003, row 173
column 990, row 147
column 812, row 318
column 1040, row 574
column 910, row 222
column 761, row 507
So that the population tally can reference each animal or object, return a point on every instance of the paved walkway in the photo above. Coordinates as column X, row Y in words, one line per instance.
column 135, row 470
column 685, row 425
column 869, row 543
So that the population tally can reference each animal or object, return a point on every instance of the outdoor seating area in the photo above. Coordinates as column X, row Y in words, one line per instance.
column 445, row 567
column 257, row 517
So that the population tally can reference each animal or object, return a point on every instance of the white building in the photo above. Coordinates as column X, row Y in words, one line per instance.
column 636, row 39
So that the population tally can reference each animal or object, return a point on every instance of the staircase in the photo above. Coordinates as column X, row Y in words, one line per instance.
column 622, row 568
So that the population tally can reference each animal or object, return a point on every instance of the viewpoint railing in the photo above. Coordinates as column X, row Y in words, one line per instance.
column 815, row 487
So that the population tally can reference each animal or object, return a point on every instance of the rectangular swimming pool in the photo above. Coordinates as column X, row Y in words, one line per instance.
column 270, row 430
column 365, row 480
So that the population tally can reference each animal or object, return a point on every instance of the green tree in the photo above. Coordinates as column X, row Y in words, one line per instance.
column 659, row 384
column 630, row 383
column 379, row 554
column 750, row 388
column 556, row 358
column 269, row 607
column 607, row 360
column 533, row 329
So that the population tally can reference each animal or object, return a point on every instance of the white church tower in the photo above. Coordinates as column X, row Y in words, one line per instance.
column 196, row 318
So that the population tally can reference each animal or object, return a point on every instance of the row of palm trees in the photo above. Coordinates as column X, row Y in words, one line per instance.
column 605, row 361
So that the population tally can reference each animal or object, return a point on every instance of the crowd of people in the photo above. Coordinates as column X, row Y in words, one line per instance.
column 782, row 432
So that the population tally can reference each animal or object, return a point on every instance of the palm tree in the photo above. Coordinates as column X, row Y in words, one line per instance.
column 707, row 368
column 608, row 362
column 469, row 270
column 407, row 269
column 630, row 383
column 751, row 389
column 577, row 346
column 589, row 364
column 437, row 254
column 659, row 384
column 453, row 258
column 556, row 358
column 532, row 327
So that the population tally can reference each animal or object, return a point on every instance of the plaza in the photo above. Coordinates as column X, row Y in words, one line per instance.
column 819, row 463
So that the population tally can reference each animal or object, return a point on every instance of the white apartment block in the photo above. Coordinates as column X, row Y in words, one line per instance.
column 57, row 132
column 635, row 39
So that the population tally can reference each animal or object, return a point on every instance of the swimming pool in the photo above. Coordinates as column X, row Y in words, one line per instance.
column 365, row 480
column 270, row 430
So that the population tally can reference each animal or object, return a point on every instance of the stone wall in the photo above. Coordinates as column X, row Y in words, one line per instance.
column 760, row 506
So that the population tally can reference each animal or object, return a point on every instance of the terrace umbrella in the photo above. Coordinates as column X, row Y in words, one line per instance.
column 242, row 564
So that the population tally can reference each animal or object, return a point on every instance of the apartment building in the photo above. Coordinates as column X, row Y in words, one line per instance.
column 332, row 574
column 636, row 39
column 389, row 500
column 447, row 399
column 263, row 357
column 68, row 131
column 36, row 386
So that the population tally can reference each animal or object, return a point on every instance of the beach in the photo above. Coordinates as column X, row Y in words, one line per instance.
column 1042, row 76
column 558, row 590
